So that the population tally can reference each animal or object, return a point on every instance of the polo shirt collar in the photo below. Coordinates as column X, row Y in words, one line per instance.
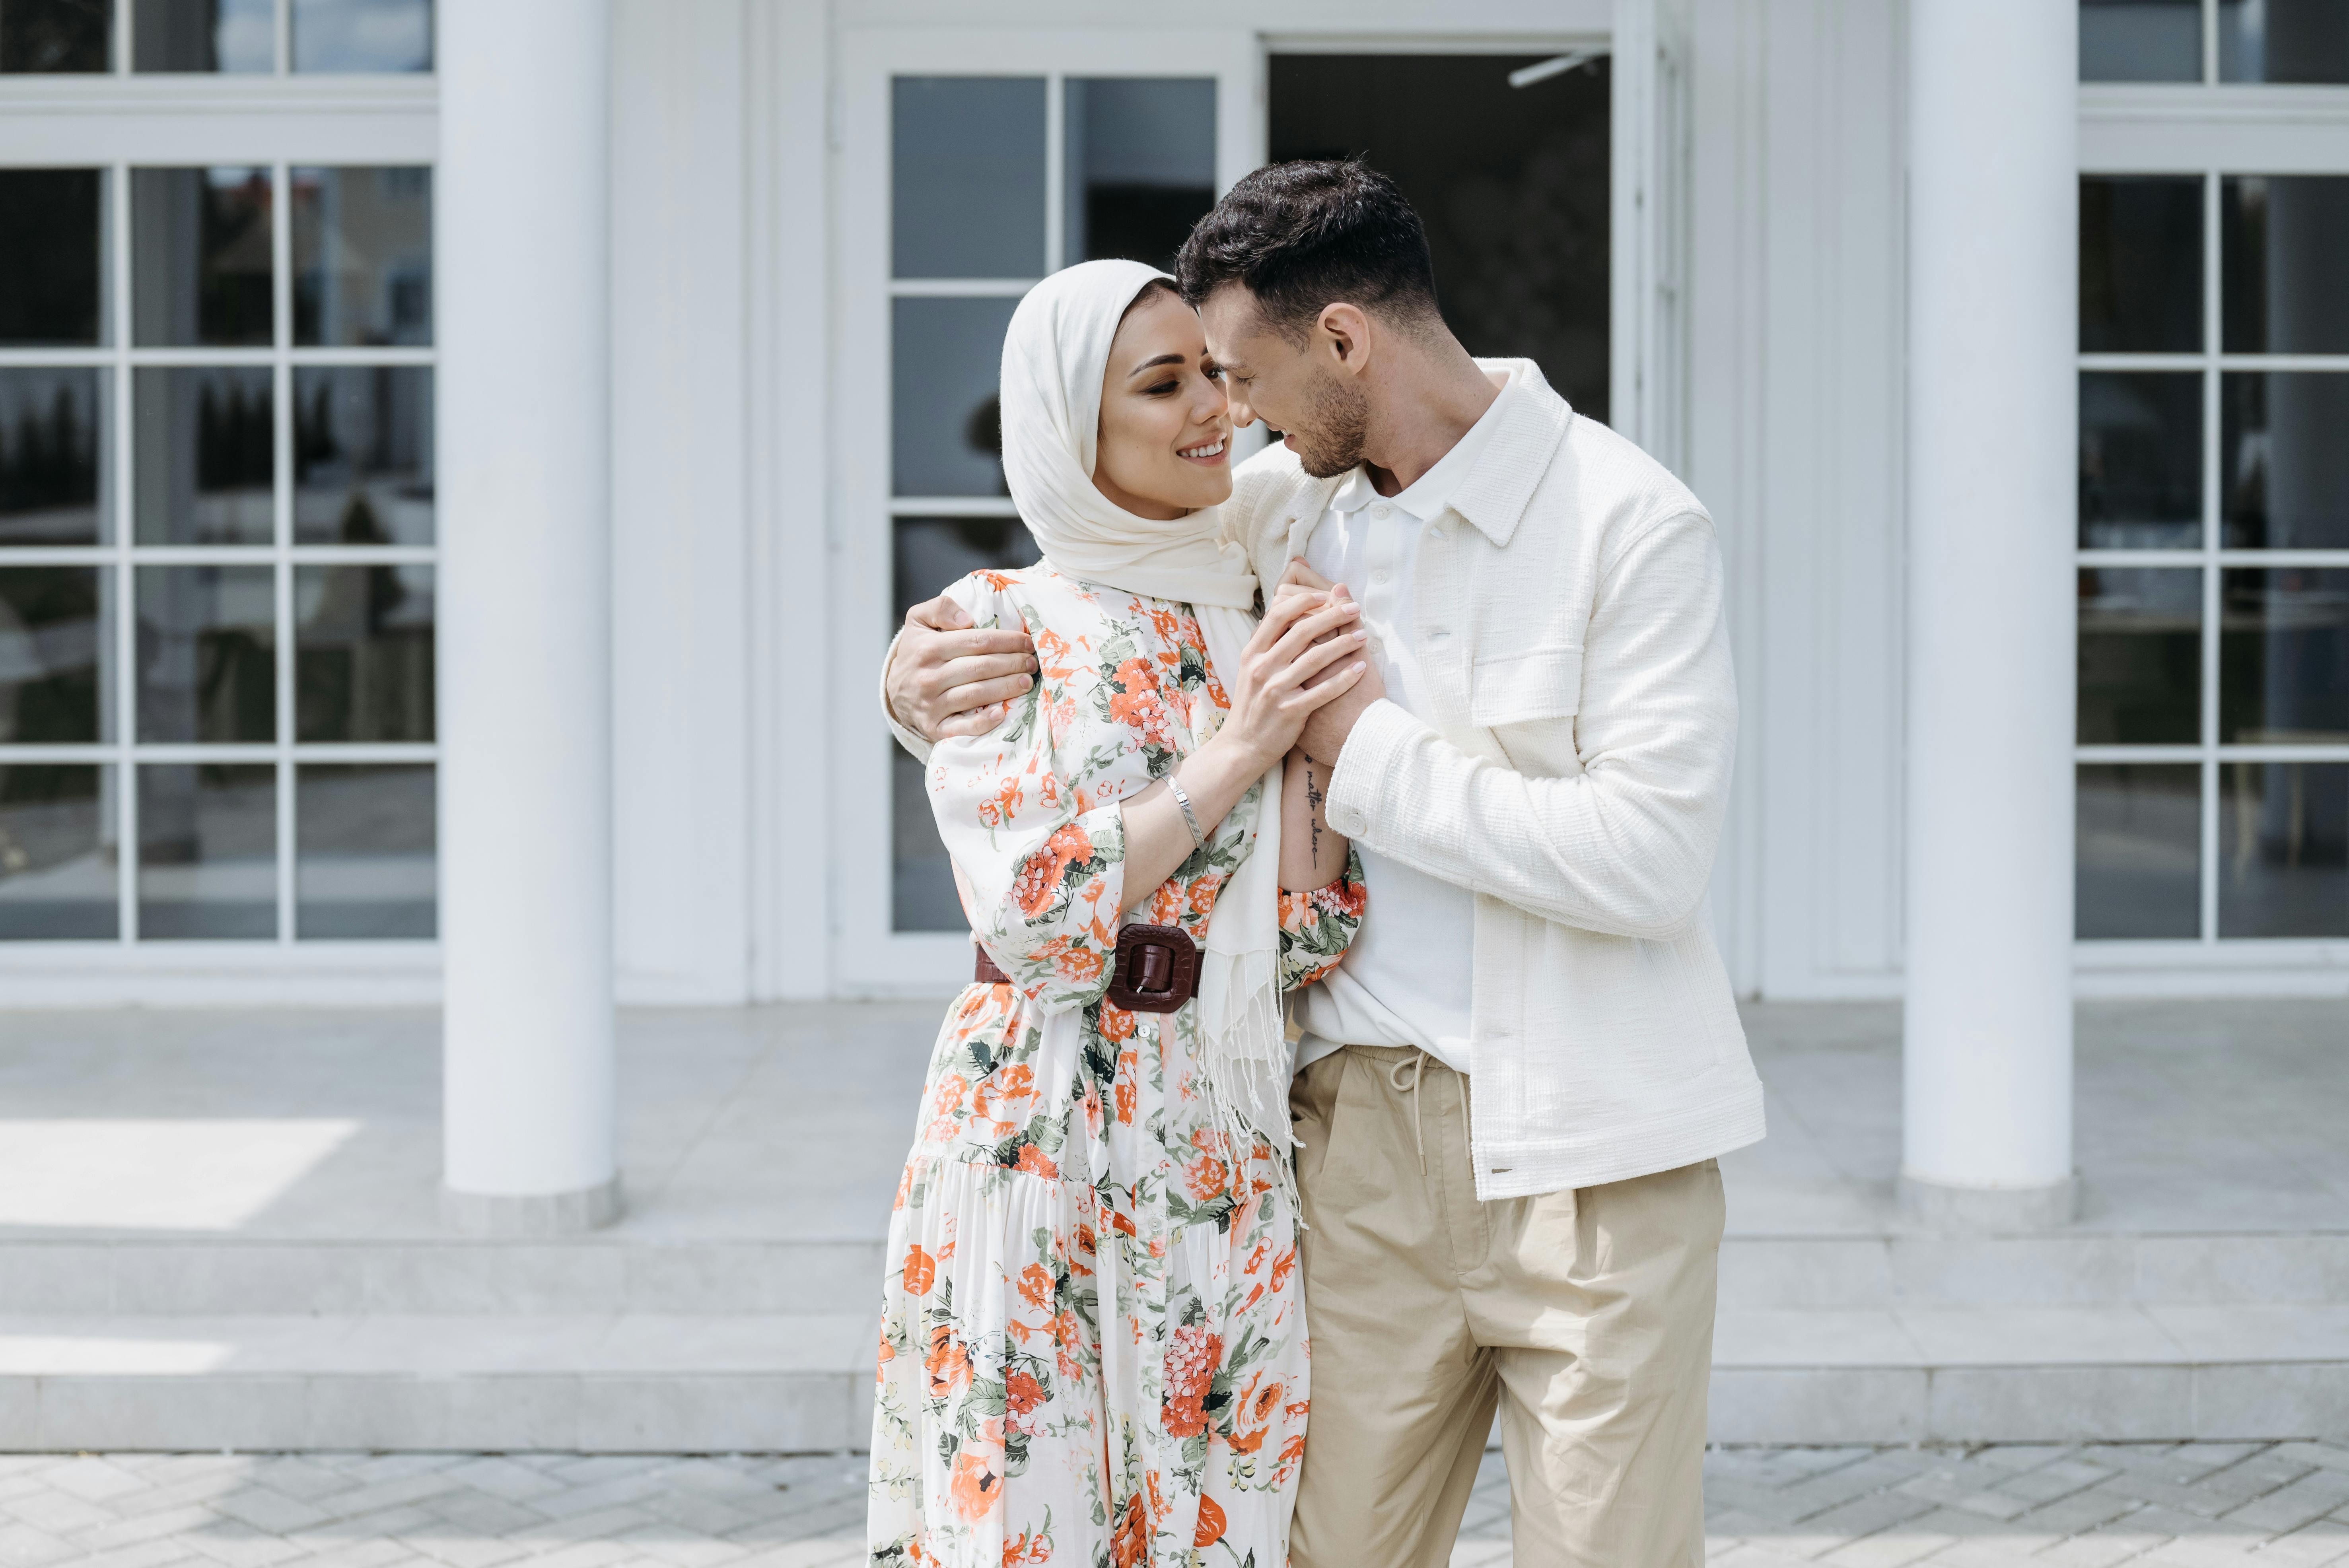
column 1502, row 457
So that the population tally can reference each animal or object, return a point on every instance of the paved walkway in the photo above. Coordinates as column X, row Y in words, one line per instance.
column 2197, row 1505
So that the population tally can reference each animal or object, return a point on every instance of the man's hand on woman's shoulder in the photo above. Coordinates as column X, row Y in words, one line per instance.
column 948, row 677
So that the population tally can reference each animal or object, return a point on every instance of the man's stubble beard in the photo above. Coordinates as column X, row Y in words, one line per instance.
column 1341, row 416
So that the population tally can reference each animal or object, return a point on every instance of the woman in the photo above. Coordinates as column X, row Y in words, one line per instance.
column 1092, row 1338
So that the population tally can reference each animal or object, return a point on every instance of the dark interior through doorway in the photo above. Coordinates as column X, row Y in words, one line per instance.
column 1510, row 182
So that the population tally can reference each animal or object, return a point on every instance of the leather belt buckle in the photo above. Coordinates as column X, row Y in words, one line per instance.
column 1156, row 971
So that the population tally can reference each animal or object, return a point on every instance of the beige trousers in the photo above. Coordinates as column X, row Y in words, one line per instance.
column 1586, row 1317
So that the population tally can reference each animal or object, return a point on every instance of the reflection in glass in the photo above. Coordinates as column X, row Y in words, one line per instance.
column 203, row 472
column 207, row 851
column 52, row 257
column 2140, row 459
column 921, row 881
column 363, row 838
column 362, row 255
column 206, row 639
column 367, row 36
column 2281, row 238
column 57, row 853
column 56, row 640
column 2283, row 849
column 55, row 35
column 2285, row 467
column 1139, row 165
column 2283, row 41
column 363, row 653
column 200, row 256
column 2140, row 655
column 2137, row 864
column 2140, row 264
column 224, row 36
column 946, row 429
column 362, row 455
column 933, row 553
column 2283, row 657
column 56, row 464
column 2140, row 40
column 967, row 177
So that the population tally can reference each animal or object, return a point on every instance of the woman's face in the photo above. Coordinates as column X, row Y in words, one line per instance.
column 1165, row 427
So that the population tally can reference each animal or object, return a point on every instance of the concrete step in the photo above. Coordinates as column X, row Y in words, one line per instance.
column 613, row 1276
column 668, row 1382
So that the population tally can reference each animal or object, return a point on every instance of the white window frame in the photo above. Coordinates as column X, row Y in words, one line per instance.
column 118, row 122
column 2211, row 129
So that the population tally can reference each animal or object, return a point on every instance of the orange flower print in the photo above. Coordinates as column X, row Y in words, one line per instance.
column 1116, row 1023
column 920, row 1274
column 1191, row 1357
column 1036, row 1286
column 1204, row 1177
column 1036, row 1163
column 1023, row 1396
column 1037, row 886
column 1166, row 902
column 947, row 1363
column 1131, row 1540
column 1168, row 624
column 1281, row 1266
column 1140, row 707
column 1002, row 805
column 977, row 1486
column 1203, row 893
column 1211, row 1523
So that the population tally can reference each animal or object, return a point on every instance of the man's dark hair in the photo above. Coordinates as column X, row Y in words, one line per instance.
column 1301, row 236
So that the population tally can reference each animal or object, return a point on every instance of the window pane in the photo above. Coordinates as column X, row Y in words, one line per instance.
column 2139, row 869
column 921, row 882
column 200, row 256
column 364, row 840
column 2282, row 240
column 362, row 34
column 202, row 470
column 967, row 177
column 57, row 36
column 933, row 552
column 2285, row 467
column 1141, row 165
column 227, row 36
column 2283, row 41
column 363, row 455
column 2140, row 40
column 2140, row 264
column 362, row 255
column 57, row 639
column 946, row 359
column 52, row 257
column 2283, row 657
column 57, row 853
column 207, row 851
column 2140, row 655
column 206, row 639
column 363, row 646
column 57, row 465
column 2283, row 849
column 2140, row 459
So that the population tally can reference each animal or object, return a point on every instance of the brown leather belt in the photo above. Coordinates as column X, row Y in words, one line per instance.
column 1156, row 969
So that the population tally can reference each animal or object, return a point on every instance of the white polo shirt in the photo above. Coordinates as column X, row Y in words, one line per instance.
column 1405, row 981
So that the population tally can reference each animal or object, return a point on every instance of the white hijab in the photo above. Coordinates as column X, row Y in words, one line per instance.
column 1054, row 357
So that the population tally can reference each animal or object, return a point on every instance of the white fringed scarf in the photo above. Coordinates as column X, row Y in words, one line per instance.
column 1054, row 358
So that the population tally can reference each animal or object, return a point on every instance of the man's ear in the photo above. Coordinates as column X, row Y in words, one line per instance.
column 1345, row 332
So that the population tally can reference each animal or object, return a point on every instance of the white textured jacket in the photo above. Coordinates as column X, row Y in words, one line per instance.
column 1568, row 619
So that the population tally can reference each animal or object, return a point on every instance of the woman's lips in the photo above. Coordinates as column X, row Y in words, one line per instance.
column 1208, row 453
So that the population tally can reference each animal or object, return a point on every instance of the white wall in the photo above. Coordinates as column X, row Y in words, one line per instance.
column 1795, row 438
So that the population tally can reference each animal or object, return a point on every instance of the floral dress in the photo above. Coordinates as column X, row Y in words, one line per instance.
column 1092, row 1334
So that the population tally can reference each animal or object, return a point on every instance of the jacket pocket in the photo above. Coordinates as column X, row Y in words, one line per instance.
column 1516, row 688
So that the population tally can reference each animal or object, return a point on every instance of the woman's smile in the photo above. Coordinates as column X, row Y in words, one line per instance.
column 1210, row 453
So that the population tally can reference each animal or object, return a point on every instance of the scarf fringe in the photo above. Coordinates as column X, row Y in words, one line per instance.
column 1244, row 1060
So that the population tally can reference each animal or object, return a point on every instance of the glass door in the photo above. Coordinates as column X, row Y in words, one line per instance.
column 975, row 164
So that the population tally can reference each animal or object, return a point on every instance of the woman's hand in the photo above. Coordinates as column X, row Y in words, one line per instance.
column 1307, row 650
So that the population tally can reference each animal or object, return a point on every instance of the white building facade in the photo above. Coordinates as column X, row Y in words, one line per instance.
column 459, row 473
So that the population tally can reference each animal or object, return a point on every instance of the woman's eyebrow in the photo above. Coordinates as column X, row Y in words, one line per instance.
column 1154, row 364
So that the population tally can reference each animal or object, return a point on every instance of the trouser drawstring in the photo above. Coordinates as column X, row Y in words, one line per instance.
column 1417, row 1063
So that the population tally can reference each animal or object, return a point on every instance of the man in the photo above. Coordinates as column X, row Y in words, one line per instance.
column 1512, row 1094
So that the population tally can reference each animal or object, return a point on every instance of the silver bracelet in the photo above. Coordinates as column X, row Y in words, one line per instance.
column 1189, row 821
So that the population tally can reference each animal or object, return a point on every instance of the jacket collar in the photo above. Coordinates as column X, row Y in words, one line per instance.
column 1531, row 424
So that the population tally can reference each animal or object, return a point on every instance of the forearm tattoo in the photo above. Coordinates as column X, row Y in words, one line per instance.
column 1313, row 813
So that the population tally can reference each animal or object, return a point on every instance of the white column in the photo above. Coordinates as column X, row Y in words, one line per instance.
column 1993, row 270
column 525, row 614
